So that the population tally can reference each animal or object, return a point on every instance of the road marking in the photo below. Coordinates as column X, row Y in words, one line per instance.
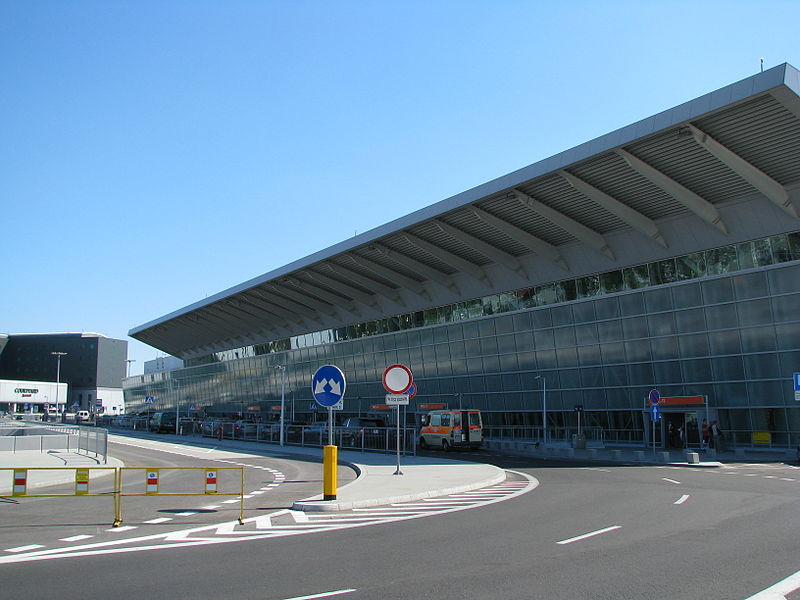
column 75, row 538
column 210, row 507
column 588, row 535
column 25, row 548
column 323, row 595
column 671, row 480
column 262, row 528
column 787, row 479
column 682, row 499
column 188, row 513
column 157, row 521
column 121, row 529
column 780, row 590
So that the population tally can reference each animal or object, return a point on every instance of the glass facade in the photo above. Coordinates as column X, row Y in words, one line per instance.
column 722, row 324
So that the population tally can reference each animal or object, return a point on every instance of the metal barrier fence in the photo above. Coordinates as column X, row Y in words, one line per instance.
column 151, row 484
column 70, row 438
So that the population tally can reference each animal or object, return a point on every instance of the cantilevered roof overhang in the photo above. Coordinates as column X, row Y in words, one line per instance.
column 719, row 169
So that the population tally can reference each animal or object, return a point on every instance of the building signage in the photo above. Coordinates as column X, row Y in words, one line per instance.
column 27, row 391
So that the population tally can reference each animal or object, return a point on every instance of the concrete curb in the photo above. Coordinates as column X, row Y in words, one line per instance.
column 317, row 504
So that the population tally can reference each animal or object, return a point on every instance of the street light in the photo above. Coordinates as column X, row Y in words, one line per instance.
column 58, row 356
column 544, row 407
column 129, row 361
column 283, row 396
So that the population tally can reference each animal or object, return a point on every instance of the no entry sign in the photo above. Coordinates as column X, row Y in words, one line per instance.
column 397, row 379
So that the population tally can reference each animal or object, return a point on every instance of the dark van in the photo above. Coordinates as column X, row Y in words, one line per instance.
column 163, row 422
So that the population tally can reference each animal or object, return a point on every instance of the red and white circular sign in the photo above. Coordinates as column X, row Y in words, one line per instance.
column 397, row 379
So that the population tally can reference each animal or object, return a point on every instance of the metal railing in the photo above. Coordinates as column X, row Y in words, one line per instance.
column 382, row 439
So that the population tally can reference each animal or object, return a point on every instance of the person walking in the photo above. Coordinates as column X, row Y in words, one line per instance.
column 705, row 431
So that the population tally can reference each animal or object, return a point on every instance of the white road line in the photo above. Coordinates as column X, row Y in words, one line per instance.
column 75, row 538
column 188, row 513
column 671, row 480
column 230, row 501
column 121, row 529
column 588, row 535
column 787, row 479
column 25, row 548
column 323, row 595
column 770, row 477
column 157, row 521
column 210, row 507
column 682, row 499
column 780, row 590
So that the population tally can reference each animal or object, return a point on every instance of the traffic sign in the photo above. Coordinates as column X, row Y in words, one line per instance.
column 397, row 399
column 579, row 408
column 328, row 385
column 149, row 399
column 654, row 397
column 655, row 412
column 797, row 387
column 397, row 379
column 412, row 391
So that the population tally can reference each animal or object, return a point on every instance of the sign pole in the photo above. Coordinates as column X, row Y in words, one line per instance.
column 398, row 471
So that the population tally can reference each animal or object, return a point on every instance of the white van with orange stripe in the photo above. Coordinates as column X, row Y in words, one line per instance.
column 442, row 429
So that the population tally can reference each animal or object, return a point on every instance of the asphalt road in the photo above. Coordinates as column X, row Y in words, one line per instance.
column 654, row 532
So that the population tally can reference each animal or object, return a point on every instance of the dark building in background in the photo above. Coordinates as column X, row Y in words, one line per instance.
column 93, row 366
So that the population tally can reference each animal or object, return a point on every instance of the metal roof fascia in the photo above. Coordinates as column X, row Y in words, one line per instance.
column 783, row 74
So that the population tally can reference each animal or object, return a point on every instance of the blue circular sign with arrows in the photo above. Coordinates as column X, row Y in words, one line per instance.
column 328, row 385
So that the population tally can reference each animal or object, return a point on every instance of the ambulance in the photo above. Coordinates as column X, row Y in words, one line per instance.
column 442, row 429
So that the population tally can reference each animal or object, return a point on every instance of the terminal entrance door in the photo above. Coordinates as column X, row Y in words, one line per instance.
column 684, row 429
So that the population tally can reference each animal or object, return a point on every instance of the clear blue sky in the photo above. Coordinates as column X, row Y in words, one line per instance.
column 153, row 153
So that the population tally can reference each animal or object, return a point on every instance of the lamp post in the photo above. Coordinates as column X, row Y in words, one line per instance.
column 129, row 361
column 283, row 396
column 544, row 407
column 58, row 356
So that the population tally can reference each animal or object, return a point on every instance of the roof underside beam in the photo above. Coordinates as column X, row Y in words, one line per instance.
column 340, row 302
column 586, row 235
column 412, row 285
column 633, row 218
column 386, row 291
column 493, row 253
column 240, row 306
column 319, row 305
column 356, row 294
column 257, row 299
column 746, row 170
column 533, row 243
column 451, row 259
column 693, row 202
column 426, row 271
column 275, row 299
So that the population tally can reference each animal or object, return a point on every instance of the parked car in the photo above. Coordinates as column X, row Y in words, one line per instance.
column 244, row 429
column 163, row 422
column 362, row 432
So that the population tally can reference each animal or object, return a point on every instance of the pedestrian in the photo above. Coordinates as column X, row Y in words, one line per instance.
column 705, row 433
column 681, row 436
column 716, row 436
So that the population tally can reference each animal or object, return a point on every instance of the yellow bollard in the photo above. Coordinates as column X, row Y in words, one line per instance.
column 329, row 463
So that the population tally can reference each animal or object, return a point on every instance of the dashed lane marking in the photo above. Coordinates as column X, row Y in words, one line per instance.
column 75, row 538
column 589, row 535
column 157, row 521
column 671, row 480
column 682, row 499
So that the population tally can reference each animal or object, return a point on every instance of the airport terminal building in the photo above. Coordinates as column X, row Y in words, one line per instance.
column 664, row 255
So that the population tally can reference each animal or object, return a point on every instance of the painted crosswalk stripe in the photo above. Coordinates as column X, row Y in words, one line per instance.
column 24, row 548
column 121, row 529
column 159, row 520
column 75, row 538
column 188, row 513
